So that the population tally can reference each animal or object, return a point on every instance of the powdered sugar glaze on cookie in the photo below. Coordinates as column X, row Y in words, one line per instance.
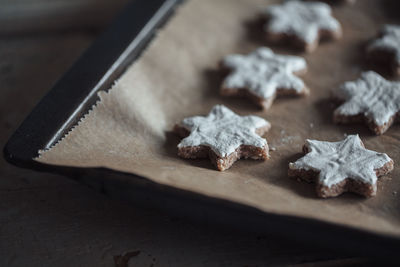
column 262, row 72
column 373, row 96
column 302, row 19
column 223, row 131
column 336, row 161
column 389, row 40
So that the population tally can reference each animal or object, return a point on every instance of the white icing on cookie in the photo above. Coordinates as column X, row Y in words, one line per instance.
column 336, row 161
column 337, row 1
column 302, row 19
column 371, row 95
column 262, row 72
column 389, row 41
column 223, row 131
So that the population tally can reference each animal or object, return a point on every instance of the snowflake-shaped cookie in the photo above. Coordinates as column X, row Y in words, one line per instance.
column 371, row 98
column 386, row 49
column 262, row 75
column 223, row 136
column 306, row 22
column 342, row 166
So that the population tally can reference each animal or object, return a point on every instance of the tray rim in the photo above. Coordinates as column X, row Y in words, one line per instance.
column 61, row 109
column 188, row 204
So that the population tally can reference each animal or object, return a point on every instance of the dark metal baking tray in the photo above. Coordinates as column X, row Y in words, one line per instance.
column 96, row 70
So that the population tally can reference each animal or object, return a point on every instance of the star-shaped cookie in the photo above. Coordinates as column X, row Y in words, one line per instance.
column 371, row 98
column 223, row 136
column 262, row 75
column 339, row 167
column 386, row 48
column 305, row 23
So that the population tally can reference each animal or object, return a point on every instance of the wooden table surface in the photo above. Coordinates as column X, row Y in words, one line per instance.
column 49, row 220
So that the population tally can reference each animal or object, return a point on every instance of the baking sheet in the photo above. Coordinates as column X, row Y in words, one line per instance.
column 177, row 76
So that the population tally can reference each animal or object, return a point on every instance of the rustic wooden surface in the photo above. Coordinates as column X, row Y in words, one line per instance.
column 48, row 220
column 37, row 16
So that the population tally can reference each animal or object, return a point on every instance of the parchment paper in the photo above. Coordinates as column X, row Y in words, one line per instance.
column 177, row 76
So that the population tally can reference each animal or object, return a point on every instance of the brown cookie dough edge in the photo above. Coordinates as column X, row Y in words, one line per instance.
column 337, row 2
column 360, row 118
column 293, row 40
column 347, row 185
column 222, row 163
column 263, row 103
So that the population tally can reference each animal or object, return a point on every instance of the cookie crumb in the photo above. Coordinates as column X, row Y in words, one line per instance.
column 272, row 148
column 248, row 181
column 290, row 139
column 311, row 125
